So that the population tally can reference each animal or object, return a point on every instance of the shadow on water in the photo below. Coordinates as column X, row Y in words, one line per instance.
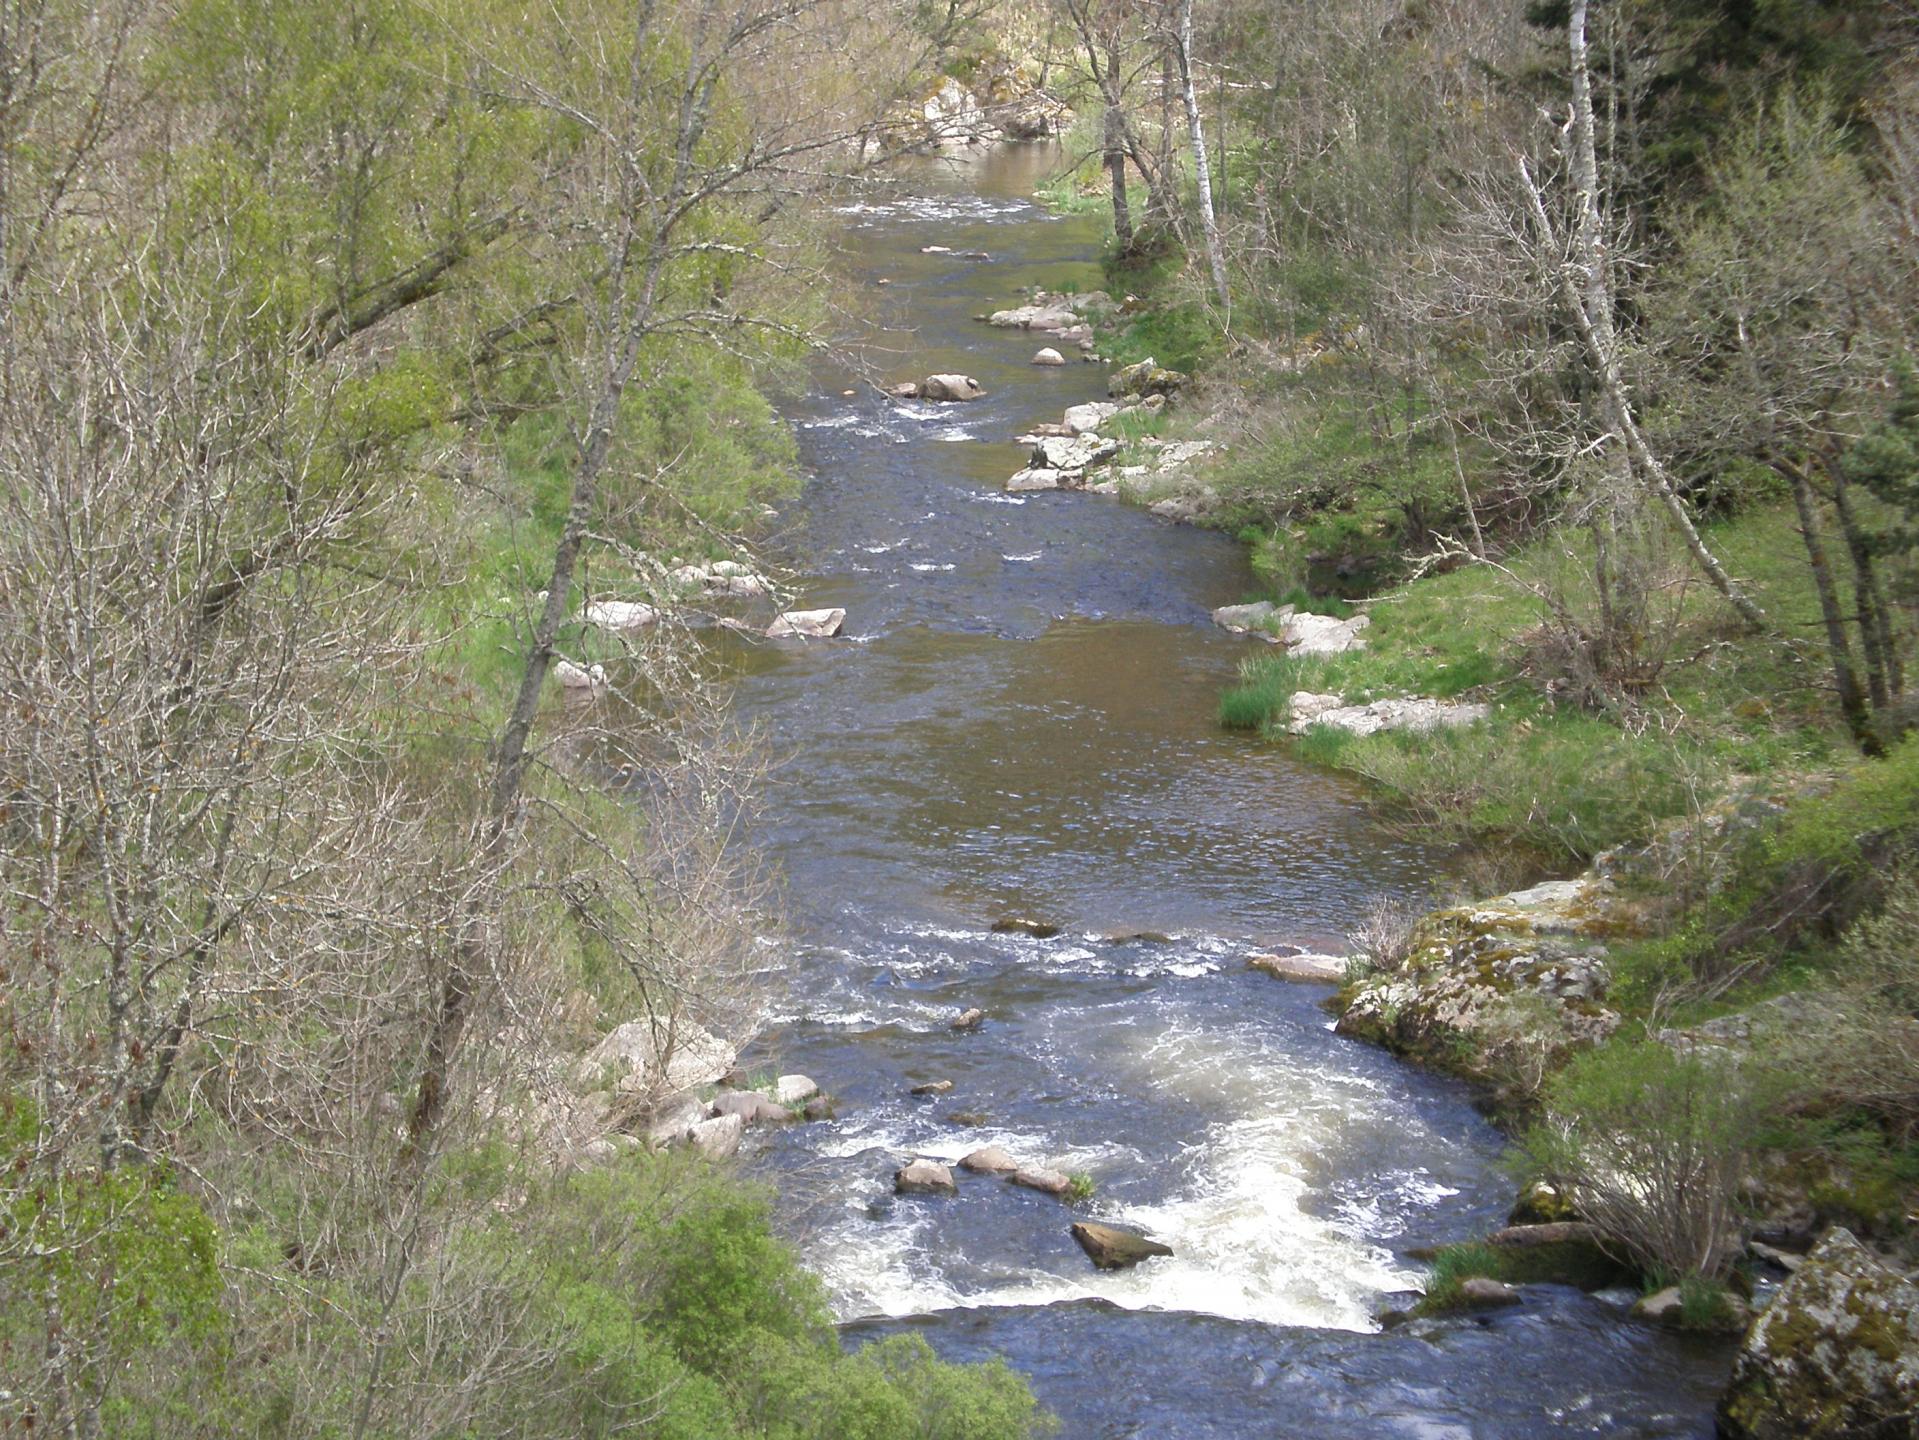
column 1020, row 722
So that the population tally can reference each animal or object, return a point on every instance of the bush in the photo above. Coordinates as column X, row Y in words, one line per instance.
column 1652, row 1146
column 1383, row 938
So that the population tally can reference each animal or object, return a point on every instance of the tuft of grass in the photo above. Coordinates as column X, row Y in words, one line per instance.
column 1079, row 1187
column 1573, row 1263
column 1257, row 700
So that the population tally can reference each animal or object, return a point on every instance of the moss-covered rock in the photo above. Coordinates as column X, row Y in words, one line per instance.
column 1529, row 967
column 1835, row 1355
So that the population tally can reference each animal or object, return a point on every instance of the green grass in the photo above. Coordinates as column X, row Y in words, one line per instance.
column 1570, row 1263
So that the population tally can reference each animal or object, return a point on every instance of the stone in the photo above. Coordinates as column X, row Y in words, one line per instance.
column 818, row 1108
column 1557, row 1232
column 1483, row 1294
column 1048, row 356
column 936, row 250
column 1836, row 1353
column 1045, row 317
column 1262, row 618
column 924, row 1177
column 1773, row 1255
column 722, row 577
column 951, row 388
column 1148, row 377
column 597, row 1151
column 1023, row 925
column 906, row 390
column 1304, row 633
column 792, row 1089
column 579, row 677
column 990, row 1161
column 1074, row 453
column 719, row 1137
column 752, row 1107
column 672, row 1123
column 657, row 1055
column 1111, row 1248
column 1040, row 479
column 1662, row 1307
column 972, row 1119
column 619, row 614
column 1042, row 1179
column 932, row 1087
column 1302, row 969
column 806, row 625
column 1415, row 715
column 970, row 1019
column 1080, row 419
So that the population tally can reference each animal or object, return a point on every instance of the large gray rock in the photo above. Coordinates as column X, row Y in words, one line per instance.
column 1042, row 1179
column 1834, row 1357
column 719, row 1137
column 752, row 1107
column 619, row 614
column 807, row 625
column 951, row 387
column 1043, row 316
column 579, row 677
column 1111, row 1248
column 1042, row 478
column 1484, row 1294
column 1048, row 356
column 1079, row 419
column 793, row 1089
column 924, row 1177
column 1262, row 618
column 1076, row 453
column 722, row 577
column 1307, row 634
column 1303, row 969
column 656, row 1055
column 1148, row 377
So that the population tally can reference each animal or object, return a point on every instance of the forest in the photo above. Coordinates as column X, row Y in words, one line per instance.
column 386, row 384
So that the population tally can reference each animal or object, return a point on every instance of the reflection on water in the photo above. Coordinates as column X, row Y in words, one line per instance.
column 1020, row 722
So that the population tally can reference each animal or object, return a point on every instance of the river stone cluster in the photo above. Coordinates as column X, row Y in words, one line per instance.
column 1451, row 1002
column 1835, row 1355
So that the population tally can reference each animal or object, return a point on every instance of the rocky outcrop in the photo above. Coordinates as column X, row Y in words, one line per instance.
column 924, row 1177
column 1414, row 714
column 1454, row 1001
column 656, row 1056
column 1111, row 1248
column 950, row 388
column 807, row 625
column 1835, row 1355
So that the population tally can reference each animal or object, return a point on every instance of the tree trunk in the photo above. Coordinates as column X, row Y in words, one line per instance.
column 1116, row 169
column 1852, row 703
column 1884, row 675
column 1202, row 170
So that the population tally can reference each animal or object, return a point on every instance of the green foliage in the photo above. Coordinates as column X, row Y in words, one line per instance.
column 1885, row 460
column 1574, row 1262
column 1080, row 1187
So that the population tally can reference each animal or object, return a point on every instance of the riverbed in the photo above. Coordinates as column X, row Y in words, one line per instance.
column 1019, row 724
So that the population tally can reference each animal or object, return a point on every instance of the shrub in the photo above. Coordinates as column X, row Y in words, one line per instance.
column 1652, row 1146
column 1383, row 937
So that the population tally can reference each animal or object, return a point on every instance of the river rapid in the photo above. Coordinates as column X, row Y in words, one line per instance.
column 1020, row 722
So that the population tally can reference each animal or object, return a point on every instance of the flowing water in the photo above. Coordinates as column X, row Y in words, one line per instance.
column 1020, row 723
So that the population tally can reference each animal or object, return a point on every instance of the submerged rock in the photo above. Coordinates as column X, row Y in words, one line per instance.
column 1111, row 1248
column 924, row 1177
column 932, row 1087
column 807, row 624
column 1835, row 1355
column 970, row 1019
column 1023, row 925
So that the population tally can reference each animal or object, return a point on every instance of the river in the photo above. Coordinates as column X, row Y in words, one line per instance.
column 1020, row 722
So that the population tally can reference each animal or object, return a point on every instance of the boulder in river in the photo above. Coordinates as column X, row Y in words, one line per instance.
column 1262, row 618
column 792, row 1089
column 1048, row 356
column 1043, row 1179
column 1111, row 1248
column 1061, row 453
column 1041, row 478
column 951, row 387
column 905, row 390
column 932, row 1087
column 970, row 1019
column 924, row 1177
column 1303, row 969
column 752, row 1107
column 1481, row 1293
column 1836, row 1353
column 806, row 625
column 990, row 1160
column 1045, row 317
